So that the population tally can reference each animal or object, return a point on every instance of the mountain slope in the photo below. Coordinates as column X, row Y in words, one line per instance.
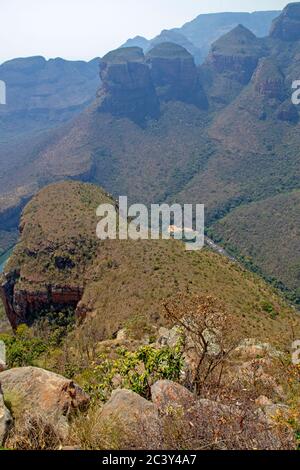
column 266, row 234
column 59, row 263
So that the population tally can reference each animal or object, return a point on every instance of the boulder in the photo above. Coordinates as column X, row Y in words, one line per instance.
column 168, row 337
column 167, row 395
column 38, row 392
column 5, row 419
column 132, row 418
column 251, row 348
column 276, row 411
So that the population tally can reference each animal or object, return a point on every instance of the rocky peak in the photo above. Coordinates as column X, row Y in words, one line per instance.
column 137, row 41
column 174, row 74
column 127, row 89
column 236, row 53
column 176, row 37
column 287, row 26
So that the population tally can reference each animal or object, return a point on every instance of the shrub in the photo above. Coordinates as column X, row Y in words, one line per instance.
column 22, row 349
column 136, row 371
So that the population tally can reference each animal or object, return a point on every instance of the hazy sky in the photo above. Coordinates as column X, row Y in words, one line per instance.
column 83, row 29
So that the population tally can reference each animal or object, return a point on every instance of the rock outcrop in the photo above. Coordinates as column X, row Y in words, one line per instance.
column 236, row 54
column 176, row 37
column 57, row 242
column 287, row 26
column 167, row 395
column 127, row 89
column 41, row 393
column 133, row 418
column 5, row 419
column 175, row 417
column 269, row 80
column 174, row 74
column 22, row 305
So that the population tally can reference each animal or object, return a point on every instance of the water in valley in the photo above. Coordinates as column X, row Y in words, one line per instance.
column 4, row 258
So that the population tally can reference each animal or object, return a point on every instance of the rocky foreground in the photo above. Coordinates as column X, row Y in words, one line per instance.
column 43, row 410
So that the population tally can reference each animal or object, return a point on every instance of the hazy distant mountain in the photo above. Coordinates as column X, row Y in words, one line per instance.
column 41, row 93
column 198, row 35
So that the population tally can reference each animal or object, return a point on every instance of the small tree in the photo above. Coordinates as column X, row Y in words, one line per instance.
column 209, row 327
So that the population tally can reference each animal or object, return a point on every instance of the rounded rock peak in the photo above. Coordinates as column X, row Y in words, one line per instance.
column 169, row 50
column 123, row 55
column 239, row 40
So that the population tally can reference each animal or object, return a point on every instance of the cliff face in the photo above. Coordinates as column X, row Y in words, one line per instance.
column 23, row 305
column 134, row 86
column 269, row 80
column 127, row 89
column 237, row 54
column 174, row 74
column 287, row 26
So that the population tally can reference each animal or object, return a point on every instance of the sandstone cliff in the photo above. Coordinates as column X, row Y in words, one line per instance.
column 127, row 89
column 174, row 74
column 237, row 54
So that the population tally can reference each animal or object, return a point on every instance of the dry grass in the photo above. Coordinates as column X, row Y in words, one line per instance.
column 34, row 432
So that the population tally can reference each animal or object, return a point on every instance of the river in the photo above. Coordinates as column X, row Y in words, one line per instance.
column 4, row 258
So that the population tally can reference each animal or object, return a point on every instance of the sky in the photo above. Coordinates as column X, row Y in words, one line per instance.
column 84, row 29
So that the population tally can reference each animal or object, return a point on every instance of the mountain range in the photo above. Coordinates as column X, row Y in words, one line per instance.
column 161, row 128
column 44, row 93
column 197, row 35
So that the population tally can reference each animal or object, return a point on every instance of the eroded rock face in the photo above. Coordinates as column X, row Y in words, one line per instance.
column 127, row 89
column 269, row 80
column 174, row 74
column 5, row 419
column 21, row 305
column 287, row 26
column 236, row 54
column 42, row 393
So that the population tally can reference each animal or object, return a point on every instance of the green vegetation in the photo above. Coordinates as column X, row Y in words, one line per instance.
column 59, row 223
column 134, row 370
column 266, row 237
column 23, row 348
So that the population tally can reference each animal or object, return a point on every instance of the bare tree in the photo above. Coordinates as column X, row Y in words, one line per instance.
column 209, row 327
